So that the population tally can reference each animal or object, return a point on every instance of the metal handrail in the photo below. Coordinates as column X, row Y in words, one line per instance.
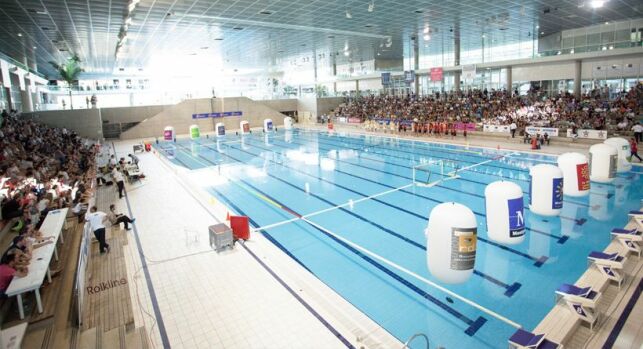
column 406, row 344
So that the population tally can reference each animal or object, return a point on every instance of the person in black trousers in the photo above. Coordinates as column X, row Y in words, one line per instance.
column 118, row 178
column 96, row 219
column 118, row 218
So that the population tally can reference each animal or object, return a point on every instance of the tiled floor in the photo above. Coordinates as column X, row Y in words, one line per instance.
column 225, row 300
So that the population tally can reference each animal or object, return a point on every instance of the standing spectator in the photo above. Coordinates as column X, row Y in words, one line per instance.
column 634, row 150
column 96, row 219
column 134, row 159
column 513, row 128
column 638, row 132
column 118, row 178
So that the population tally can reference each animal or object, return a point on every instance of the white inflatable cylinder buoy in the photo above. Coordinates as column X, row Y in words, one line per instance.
column 288, row 122
column 546, row 190
column 451, row 242
column 505, row 212
column 168, row 133
column 623, row 148
column 307, row 188
column 267, row 125
column 244, row 126
column 220, row 129
column 288, row 136
column 575, row 169
column 602, row 163
column 195, row 132
column 195, row 149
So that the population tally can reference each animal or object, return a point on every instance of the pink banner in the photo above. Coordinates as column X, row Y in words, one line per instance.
column 436, row 74
column 468, row 126
column 354, row 120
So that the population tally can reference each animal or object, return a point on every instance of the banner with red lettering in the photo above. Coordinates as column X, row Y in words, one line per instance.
column 436, row 74
column 582, row 173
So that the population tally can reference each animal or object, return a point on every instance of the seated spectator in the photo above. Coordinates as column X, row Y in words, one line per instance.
column 117, row 218
column 9, row 269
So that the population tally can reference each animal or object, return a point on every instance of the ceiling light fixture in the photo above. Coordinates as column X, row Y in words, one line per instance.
column 571, row 51
column 19, row 34
column 597, row 3
column 371, row 6
column 427, row 37
column 348, row 14
column 426, row 30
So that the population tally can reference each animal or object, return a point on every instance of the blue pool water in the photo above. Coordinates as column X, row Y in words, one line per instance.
column 278, row 177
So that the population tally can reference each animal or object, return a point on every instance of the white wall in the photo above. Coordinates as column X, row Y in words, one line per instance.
column 85, row 122
column 612, row 68
column 551, row 71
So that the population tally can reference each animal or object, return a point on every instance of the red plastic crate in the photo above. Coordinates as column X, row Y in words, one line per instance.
column 240, row 227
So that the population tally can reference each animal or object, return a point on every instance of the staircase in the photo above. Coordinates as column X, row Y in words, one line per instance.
column 114, row 130
column 118, row 337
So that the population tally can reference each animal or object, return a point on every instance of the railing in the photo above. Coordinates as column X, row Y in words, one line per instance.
column 406, row 344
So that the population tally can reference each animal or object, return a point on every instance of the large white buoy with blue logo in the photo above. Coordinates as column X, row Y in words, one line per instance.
column 244, row 127
column 505, row 212
column 267, row 125
column 220, row 129
column 168, row 133
column 451, row 242
column 602, row 163
column 623, row 148
column 546, row 190
column 195, row 132
column 288, row 123
column 575, row 169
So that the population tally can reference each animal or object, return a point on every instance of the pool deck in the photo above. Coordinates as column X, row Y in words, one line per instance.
column 256, row 296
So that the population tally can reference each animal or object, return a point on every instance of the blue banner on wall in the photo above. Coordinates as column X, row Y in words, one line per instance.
column 386, row 79
column 516, row 217
column 216, row 115
column 557, row 194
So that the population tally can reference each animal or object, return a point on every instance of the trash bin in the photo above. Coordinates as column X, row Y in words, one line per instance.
column 220, row 236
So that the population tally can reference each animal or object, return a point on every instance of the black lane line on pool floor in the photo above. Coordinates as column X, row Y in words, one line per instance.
column 539, row 261
column 509, row 289
column 148, row 279
column 578, row 221
column 272, row 273
column 560, row 239
column 474, row 326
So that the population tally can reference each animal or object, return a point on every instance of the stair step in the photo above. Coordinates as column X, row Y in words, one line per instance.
column 87, row 339
column 111, row 339
column 135, row 339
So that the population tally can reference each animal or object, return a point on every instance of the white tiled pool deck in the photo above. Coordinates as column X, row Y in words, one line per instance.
column 225, row 300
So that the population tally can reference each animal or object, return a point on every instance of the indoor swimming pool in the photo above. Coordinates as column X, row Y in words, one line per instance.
column 324, row 199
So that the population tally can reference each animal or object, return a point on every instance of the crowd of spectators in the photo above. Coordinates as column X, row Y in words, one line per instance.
column 501, row 107
column 41, row 169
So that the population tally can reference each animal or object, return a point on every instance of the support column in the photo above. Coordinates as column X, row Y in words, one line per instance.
column 416, row 64
column 356, row 87
column 509, row 80
column 25, row 95
column 335, row 88
column 456, row 55
column 578, row 66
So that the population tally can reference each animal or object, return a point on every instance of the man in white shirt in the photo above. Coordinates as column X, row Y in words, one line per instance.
column 638, row 132
column 118, row 178
column 513, row 128
column 96, row 219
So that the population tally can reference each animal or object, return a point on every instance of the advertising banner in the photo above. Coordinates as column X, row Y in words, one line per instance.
column 6, row 78
column 354, row 120
column 216, row 115
column 557, row 193
column 582, row 173
column 469, row 71
column 532, row 130
column 496, row 128
column 470, row 126
column 437, row 74
column 516, row 217
column 386, row 79
column 589, row 134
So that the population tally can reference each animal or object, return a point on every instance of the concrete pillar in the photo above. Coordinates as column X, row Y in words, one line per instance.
column 456, row 55
column 416, row 64
column 25, row 95
column 509, row 80
column 578, row 66
column 356, row 87
column 335, row 88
